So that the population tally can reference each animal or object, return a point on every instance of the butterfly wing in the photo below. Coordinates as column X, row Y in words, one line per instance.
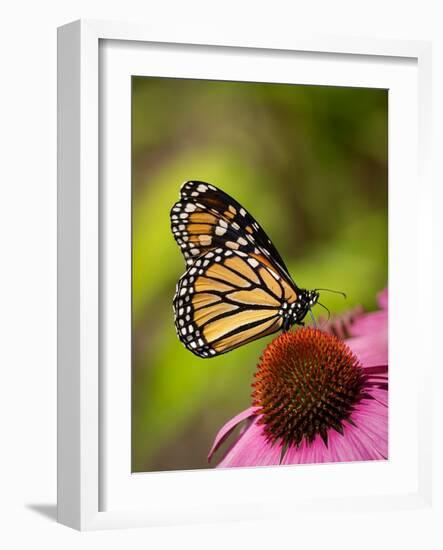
column 206, row 218
column 228, row 298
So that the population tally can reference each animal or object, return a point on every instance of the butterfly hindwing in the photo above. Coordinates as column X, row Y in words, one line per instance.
column 228, row 298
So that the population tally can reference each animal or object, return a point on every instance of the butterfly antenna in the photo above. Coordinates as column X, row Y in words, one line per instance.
column 324, row 307
column 334, row 291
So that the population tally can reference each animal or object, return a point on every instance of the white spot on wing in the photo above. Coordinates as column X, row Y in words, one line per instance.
column 205, row 239
column 253, row 262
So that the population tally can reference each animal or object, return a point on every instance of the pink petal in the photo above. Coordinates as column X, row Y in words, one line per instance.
column 346, row 447
column 362, row 445
column 371, row 419
column 380, row 395
column 252, row 449
column 382, row 298
column 353, row 445
column 377, row 371
column 227, row 429
column 372, row 350
column 370, row 323
column 376, row 379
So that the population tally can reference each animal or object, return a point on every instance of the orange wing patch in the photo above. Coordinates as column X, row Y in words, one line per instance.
column 228, row 214
column 270, row 282
column 217, row 329
column 236, row 340
column 202, row 299
column 202, row 217
column 263, row 260
column 203, row 284
column 196, row 228
column 220, row 272
column 238, row 264
column 203, row 315
column 290, row 294
column 257, row 296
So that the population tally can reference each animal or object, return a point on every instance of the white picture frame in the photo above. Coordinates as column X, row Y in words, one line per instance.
column 96, row 489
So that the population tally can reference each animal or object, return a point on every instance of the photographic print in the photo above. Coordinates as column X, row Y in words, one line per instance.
column 259, row 274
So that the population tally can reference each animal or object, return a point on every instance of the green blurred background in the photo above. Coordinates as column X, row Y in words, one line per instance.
column 310, row 164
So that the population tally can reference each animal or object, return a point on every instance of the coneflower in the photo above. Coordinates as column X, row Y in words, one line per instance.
column 317, row 397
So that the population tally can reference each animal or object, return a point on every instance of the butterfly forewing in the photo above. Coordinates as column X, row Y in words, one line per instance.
column 198, row 229
column 206, row 218
column 228, row 298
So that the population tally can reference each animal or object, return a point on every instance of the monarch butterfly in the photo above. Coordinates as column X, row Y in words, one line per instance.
column 236, row 287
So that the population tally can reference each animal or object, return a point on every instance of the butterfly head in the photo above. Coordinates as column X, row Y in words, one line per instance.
column 311, row 297
column 306, row 300
column 298, row 310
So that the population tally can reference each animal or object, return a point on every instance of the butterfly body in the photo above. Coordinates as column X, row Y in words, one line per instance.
column 236, row 287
